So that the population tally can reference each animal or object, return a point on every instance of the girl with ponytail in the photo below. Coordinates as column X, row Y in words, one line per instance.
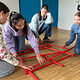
column 15, row 33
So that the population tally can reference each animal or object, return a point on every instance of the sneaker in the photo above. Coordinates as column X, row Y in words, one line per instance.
column 47, row 41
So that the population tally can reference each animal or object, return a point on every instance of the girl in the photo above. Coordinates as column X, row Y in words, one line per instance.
column 15, row 33
column 75, row 31
column 42, row 22
column 7, row 61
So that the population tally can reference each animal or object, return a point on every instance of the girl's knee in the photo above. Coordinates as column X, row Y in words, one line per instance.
column 77, row 51
column 48, row 24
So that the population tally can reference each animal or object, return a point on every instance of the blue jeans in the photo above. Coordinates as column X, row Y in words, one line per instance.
column 47, row 29
column 19, row 43
column 77, row 45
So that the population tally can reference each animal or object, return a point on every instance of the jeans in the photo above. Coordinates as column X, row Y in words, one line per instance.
column 77, row 45
column 5, row 68
column 47, row 29
column 19, row 43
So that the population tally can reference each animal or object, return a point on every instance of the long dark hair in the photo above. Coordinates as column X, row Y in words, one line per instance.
column 45, row 7
column 14, row 18
column 4, row 8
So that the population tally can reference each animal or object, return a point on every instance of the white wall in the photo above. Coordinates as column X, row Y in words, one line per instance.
column 67, row 10
column 13, row 5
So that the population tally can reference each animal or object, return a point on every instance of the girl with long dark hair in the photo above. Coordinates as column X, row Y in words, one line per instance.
column 15, row 33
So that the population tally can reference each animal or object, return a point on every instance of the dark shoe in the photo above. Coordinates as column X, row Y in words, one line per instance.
column 47, row 41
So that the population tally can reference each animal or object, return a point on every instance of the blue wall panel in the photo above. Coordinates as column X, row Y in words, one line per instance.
column 53, row 8
column 30, row 7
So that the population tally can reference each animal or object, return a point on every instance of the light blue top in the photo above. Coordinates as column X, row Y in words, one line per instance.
column 36, row 24
column 9, row 41
column 75, row 30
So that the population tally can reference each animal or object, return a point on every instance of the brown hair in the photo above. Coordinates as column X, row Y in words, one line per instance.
column 14, row 18
column 77, row 14
column 45, row 7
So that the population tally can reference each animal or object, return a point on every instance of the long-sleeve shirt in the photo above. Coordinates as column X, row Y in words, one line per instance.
column 36, row 24
column 75, row 30
column 5, row 54
column 9, row 41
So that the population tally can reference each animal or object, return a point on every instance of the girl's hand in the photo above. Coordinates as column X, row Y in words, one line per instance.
column 45, row 17
column 65, row 46
column 15, row 54
column 40, row 59
column 26, row 67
